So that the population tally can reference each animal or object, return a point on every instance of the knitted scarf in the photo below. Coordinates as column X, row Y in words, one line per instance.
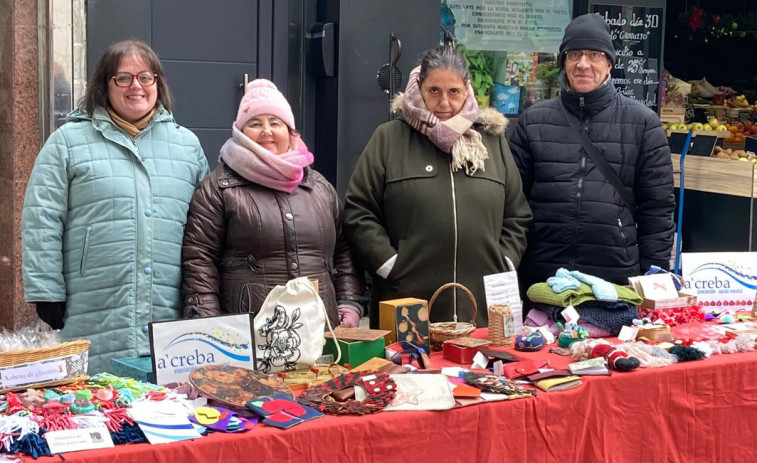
column 128, row 127
column 282, row 172
column 455, row 135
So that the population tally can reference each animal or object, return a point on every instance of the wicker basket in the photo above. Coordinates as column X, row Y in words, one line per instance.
column 501, row 328
column 442, row 331
column 73, row 353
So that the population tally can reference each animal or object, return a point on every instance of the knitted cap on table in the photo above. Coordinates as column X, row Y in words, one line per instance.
column 262, row 97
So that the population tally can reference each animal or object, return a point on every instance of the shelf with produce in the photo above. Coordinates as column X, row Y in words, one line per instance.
column 712, row 175
column 711, row 133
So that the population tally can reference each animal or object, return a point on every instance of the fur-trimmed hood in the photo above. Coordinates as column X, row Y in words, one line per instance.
column 490, row 120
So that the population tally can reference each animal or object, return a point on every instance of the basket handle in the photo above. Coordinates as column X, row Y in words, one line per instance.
column 454, row 285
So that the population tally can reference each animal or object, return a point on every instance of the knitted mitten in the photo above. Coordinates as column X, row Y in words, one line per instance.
column 562, row 281
column 603, row 290
column 616, row 359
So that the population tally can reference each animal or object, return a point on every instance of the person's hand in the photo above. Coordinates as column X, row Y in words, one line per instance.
column 348, row 317
column 52, row 313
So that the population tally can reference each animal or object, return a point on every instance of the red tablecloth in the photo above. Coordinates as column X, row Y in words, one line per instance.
column 702, row 411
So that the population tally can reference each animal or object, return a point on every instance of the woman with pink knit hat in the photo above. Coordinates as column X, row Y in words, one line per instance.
column 264, row 217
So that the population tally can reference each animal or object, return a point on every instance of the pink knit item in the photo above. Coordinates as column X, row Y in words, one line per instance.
column 262, row 97
column 282, row 172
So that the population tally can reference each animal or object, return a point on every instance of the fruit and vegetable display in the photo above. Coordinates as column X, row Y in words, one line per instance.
column 712, row 124
column 740, row 130
column 737, row 155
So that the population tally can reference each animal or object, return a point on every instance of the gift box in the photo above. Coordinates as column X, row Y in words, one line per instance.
column 683, row 300
column 139, row 368
column 406, row 320
column 462, row 350
column 357, row 345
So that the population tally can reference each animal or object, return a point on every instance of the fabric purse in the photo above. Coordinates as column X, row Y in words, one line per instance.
column 558, row 373
column 523, row 368
column 558, row 383
column 289, row 328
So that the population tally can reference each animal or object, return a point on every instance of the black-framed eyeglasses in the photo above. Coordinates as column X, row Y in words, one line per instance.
column 575, row 55
column 124, row 79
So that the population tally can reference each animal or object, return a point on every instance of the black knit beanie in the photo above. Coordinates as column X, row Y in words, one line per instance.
column 587, row 32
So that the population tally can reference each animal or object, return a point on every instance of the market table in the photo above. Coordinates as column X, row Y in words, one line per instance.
column 700, row 411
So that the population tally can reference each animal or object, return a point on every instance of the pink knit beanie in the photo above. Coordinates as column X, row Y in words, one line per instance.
column 262, row 97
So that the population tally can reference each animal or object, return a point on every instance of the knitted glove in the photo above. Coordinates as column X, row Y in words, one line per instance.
column 52, row 313
column 603, row 290
column 349, row 317
column 562, row 281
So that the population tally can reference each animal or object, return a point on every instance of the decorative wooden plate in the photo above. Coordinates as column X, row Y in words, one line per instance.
column 234, row 385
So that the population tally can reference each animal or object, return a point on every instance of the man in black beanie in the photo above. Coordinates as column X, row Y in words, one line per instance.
column 582, row 221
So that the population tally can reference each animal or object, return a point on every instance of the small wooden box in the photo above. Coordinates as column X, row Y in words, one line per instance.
column 462, row 350
column 357, row 345
column 406, row 320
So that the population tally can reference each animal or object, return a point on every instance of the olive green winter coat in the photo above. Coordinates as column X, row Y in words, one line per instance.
column 444, row 226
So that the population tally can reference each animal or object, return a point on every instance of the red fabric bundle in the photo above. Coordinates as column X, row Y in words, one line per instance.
column 675, row 315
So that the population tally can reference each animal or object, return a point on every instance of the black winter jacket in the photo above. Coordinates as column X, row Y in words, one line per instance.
column 580, row 222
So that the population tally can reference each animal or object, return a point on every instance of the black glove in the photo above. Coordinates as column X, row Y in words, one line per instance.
column 52, row 313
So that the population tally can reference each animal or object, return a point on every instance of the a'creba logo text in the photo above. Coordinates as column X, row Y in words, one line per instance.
column 713, row 275
column 190, row 350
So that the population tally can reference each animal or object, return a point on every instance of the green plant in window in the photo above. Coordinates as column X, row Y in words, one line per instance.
column 548, row 72
column 481, row 70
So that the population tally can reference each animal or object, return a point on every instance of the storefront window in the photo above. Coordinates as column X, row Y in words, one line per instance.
column 511, row 47
column 63, row 64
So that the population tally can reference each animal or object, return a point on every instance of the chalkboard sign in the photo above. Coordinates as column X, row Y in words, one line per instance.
column 637, row 33
column 703, row 145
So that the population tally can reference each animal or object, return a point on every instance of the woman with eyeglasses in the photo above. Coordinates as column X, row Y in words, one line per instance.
column 105, row 209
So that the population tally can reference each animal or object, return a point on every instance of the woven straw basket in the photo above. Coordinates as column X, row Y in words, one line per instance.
column 500, row 325
column 74, row 353
column 442, row 331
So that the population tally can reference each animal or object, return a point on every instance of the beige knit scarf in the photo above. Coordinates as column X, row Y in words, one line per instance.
column 455, row 135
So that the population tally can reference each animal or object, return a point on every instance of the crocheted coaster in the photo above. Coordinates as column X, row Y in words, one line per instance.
column 380, row 389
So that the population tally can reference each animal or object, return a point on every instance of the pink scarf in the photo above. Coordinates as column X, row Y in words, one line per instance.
column 282, row 172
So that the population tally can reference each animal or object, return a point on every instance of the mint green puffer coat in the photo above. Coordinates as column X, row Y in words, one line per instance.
column 103, row 223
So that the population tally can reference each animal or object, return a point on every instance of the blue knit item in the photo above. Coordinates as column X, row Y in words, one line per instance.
column 31, row 444
column 129, row 434
column 563, row 281
column 603, row 290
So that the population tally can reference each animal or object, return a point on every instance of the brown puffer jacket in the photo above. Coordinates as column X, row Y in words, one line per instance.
column 242, row 239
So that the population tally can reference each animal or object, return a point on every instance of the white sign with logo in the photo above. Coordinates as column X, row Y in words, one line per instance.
column 721, row 280
column 180, row 346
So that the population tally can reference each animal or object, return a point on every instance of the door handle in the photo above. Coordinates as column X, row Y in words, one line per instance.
column 243, row 85
column 393, row 58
